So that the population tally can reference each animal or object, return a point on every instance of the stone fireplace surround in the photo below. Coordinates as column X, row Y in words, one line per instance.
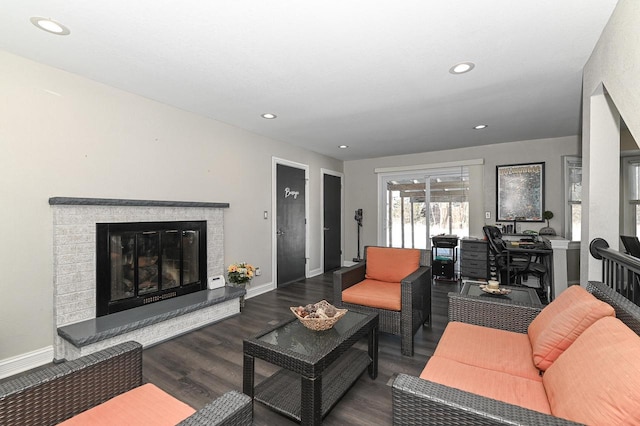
column 78, row 331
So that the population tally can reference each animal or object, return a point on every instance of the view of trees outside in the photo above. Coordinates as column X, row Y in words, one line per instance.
column 575, row 197
column 450, row 218
column 419, row 231
column 576, row 212
column 444, row 218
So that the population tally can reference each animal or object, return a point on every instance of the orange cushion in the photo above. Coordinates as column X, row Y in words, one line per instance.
column 596, row 381
column 144, row 405
column 376, row 294
column 391, row 264
column 493, row 384
column 488, row 348
column 562, row 321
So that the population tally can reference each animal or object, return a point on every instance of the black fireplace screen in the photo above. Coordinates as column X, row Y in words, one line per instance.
column 141, row 263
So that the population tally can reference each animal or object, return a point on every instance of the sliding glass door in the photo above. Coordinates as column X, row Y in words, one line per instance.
column 406, row 224
column 414, row 207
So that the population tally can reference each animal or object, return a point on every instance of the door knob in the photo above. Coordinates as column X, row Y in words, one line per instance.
column 280, row 233
column 327, row 229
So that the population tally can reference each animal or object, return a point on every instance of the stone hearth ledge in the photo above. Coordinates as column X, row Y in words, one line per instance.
column 124, row 324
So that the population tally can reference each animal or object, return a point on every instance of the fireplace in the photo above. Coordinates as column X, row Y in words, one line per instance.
column 146, row 262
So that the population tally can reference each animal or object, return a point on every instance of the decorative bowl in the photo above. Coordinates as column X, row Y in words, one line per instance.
column 489, row 290
column 322, row 323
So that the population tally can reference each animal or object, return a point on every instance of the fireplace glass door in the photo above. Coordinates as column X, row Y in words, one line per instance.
column 149, row 262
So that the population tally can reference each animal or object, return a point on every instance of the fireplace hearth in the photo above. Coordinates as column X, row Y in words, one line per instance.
column 75, row 272
column 145, row 262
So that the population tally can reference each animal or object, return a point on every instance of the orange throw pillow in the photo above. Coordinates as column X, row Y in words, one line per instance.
column 596, row 381
column 144, row 405
column 391, row 264
column 560, row 323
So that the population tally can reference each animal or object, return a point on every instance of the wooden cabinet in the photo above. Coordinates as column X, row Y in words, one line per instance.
column 474, row 258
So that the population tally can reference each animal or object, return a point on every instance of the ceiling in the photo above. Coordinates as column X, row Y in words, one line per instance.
column 370, row 74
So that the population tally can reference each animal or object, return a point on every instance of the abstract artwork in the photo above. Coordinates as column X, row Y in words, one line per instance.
column 520, row 192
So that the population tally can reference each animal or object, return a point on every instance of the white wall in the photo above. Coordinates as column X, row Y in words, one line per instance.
column 610, row 87
column 90, row 140
column 361, row 182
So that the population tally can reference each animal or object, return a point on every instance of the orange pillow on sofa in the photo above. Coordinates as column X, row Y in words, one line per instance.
column 596, row 381
column 391, row 264
column 561, row 322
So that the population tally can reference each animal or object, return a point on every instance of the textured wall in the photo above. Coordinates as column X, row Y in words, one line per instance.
column 74, row 252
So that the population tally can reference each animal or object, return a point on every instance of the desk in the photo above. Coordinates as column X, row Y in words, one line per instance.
column 532, row 249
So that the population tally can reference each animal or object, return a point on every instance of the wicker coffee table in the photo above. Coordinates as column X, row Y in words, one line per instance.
column 518, row 295
column 318, row 367
column 513, row 312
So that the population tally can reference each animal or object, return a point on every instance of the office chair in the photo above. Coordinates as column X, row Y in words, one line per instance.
column 519, row 265
column 631, row 245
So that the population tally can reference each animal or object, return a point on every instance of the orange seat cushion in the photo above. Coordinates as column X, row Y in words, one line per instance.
column 492, row 384
column 391, row 264
column 562, row 321
column 375, row 294
column 488, row 348
column 144, row 405
column 596, row 381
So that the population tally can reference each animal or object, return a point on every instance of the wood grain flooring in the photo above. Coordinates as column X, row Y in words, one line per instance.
column 199, row 366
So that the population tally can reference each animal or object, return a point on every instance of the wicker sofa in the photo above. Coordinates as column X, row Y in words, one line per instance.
column 420, row 401
column 60, row 392
column 409, row 284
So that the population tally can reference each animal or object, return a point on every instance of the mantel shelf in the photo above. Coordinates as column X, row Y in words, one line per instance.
column 76, row 201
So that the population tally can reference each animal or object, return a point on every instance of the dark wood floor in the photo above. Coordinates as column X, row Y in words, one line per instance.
column 200, row 366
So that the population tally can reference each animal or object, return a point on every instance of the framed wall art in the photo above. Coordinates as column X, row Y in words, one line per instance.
column 520, row 192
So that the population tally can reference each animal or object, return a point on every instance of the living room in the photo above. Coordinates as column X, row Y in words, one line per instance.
column 68, row 135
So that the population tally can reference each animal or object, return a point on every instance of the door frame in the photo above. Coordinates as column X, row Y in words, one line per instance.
column 323, row 172
column 274, row 215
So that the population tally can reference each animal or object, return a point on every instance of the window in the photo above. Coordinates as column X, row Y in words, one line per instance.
column 573, row 195
column 415, row 206
column 634, row 193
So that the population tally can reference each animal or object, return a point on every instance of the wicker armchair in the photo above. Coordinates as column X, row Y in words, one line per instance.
column 419, row 401
column 54, row 394
column 415, row 300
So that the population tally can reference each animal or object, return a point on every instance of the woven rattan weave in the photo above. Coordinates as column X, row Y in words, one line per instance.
column 417, row 401
column 318, row 367
column 56, row 393
column 415, row 301
column 319, row 324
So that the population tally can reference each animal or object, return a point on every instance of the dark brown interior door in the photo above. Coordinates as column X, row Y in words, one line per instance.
column 332, row 227
column 291, row 224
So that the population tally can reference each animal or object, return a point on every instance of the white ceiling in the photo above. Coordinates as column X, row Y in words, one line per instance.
column 371, row 74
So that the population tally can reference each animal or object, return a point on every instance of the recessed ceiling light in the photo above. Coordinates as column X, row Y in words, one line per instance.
column 49, row 25
column 462, row 67
column 481, row 126
column 343, row 146
column 268, row 116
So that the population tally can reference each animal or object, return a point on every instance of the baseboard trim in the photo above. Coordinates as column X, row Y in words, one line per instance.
column 315, row 273
column 258, row 290
column 24, row 362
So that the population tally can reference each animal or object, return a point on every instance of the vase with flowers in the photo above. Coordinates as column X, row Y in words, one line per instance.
column 239, row 275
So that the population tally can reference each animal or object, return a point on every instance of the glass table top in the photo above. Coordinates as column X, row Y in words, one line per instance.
column 295, row 337
column 523, row 295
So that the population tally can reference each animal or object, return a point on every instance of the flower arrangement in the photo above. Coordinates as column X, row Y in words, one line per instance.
column 240, row 273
